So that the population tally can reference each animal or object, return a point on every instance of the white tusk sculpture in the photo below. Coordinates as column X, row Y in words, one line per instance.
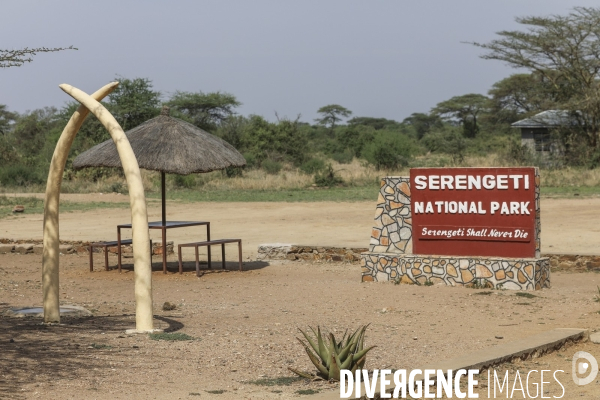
column 139, row 217
column 50, row 258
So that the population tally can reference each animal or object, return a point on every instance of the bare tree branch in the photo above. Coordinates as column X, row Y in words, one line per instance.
column 18, row 57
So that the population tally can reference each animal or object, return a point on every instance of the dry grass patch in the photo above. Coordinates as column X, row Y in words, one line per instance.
column 567, row 181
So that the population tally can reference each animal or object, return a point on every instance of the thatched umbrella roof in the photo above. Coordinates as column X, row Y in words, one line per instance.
column 168, row 145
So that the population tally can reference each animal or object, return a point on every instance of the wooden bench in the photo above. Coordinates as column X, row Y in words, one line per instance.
column 106, row 245
column 209, row 243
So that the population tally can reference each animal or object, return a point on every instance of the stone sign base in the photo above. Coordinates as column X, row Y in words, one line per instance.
column 293, row 252
column 479, row 272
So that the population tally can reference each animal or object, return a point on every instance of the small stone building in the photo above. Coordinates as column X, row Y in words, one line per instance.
column 536, row 132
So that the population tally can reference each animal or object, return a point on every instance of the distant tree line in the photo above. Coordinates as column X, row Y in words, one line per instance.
column 453, row 127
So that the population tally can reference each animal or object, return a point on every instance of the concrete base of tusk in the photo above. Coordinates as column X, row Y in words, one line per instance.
column 136, row 331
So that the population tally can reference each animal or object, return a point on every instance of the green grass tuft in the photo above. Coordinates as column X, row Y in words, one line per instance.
column 525, row 294
column 100, row 346
column 307, row 391
column 171, row 337
column 280, row 381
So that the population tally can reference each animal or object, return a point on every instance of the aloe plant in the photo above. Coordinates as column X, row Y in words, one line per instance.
column 333, row 356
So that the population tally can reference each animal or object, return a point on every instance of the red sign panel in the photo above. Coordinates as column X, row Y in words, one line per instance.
column 473, row 211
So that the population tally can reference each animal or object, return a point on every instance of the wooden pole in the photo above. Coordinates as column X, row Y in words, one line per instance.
column 163, row 191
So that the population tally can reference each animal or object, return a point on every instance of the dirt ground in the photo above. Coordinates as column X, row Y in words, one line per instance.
column 244, row 324
column 568, row 225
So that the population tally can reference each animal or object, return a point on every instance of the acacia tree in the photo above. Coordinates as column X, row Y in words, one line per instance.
column 205, row 110
column 133, row 102
column 464, row 109
column 18, row 57
column 564, row 50
column 519, row 96
column 423, row 123
column 332, row 113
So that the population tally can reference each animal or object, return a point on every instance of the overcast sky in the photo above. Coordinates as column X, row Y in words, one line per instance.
column 377, row 58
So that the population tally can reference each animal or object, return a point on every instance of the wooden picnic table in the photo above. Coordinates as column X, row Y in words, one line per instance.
column 163, row 226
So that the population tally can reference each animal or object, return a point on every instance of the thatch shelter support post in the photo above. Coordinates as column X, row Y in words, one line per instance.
column 163, row 191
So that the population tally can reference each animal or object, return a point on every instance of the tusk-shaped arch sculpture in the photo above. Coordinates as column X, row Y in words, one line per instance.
column 50, row 260
column 137, row 199
column 139, row 217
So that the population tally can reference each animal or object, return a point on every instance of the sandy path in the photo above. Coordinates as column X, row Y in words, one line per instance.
column 568, row 225
column 326, row 224
column 571, row 225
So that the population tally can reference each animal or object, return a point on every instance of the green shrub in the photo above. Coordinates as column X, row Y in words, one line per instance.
column 486, row 143
column 327, row 177
column 94, row 174
column 448, row 141
column 594, row 160
column 116, row 187
column 389, row 150
column 432, row 161
column 271, row 167
column 312, row 166
column 344, row 157
column 285, row 140
column 519, row 154
column 251, row 160
column 20, row 175
column 8, row 153
column 233, row 172
column 184, row 181
column 354, row 138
